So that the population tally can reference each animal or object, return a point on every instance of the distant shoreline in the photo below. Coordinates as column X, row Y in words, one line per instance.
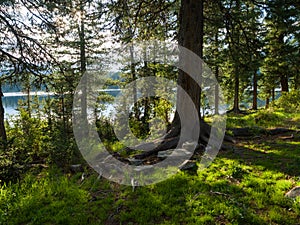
column 43, row 93
column 38, row 93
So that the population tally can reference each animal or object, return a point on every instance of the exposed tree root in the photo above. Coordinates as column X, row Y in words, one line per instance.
column 170, row 141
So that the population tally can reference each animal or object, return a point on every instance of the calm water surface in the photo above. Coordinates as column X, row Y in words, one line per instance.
column 12, row 99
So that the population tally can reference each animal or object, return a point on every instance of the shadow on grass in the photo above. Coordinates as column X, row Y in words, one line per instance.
column 277, row 155
column 188, row 200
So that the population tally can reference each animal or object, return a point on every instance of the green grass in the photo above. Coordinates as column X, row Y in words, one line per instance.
column 52, row 198
column 230, row 191
column 245, row 185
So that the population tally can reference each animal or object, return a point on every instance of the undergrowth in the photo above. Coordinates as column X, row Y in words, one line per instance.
column 245, row 185
column 270, row 118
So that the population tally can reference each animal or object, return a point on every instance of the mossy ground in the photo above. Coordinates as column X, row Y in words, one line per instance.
column 244, row 185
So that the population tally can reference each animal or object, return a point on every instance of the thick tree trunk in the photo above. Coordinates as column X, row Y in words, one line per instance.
column 3, row 136
column 190, row 37
column 254, row 104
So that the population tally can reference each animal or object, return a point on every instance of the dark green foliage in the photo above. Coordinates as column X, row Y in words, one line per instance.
column 32, row 144
column 28, row 144
column 105, row 129
column 281, row 44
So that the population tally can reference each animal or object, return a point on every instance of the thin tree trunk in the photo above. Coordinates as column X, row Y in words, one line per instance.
column 297, row 80
column 28, row 101
column 133, row 73
column 273, row 94
column 48, row 111
column 2, row 123
column 81, row 31
column 217, row 91
column 267, row 102
column 146, row 101
column 236, row 108
column 63, row 110
column 236, row 102
column 217, row 77
column 284, row 81
column 254, row 104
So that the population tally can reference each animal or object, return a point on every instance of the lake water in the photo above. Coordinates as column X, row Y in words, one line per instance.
column 12, row 99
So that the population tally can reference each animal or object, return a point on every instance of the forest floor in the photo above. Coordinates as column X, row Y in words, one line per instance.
column 246, row 184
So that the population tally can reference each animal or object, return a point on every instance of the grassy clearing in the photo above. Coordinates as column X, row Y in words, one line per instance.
column 243, row 186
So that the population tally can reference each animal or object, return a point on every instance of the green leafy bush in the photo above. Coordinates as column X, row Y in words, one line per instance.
column 27, row 145
column 289, row 102
column 32, row 144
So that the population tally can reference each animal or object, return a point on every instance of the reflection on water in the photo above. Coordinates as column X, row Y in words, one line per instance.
column 11, row 103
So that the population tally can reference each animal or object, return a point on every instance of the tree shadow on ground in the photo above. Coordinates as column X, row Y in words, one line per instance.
column 270, row 152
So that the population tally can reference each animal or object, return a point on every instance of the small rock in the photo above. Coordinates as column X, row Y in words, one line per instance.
column 241, row 132
column 180, row 152
column 188, row 165
column 135, row 162
column 76, row 168
column 295, row 192
column 279, row 131
column 164, row 154
column 189, row 145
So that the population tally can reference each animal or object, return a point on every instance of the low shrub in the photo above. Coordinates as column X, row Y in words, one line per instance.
column 289, row 102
